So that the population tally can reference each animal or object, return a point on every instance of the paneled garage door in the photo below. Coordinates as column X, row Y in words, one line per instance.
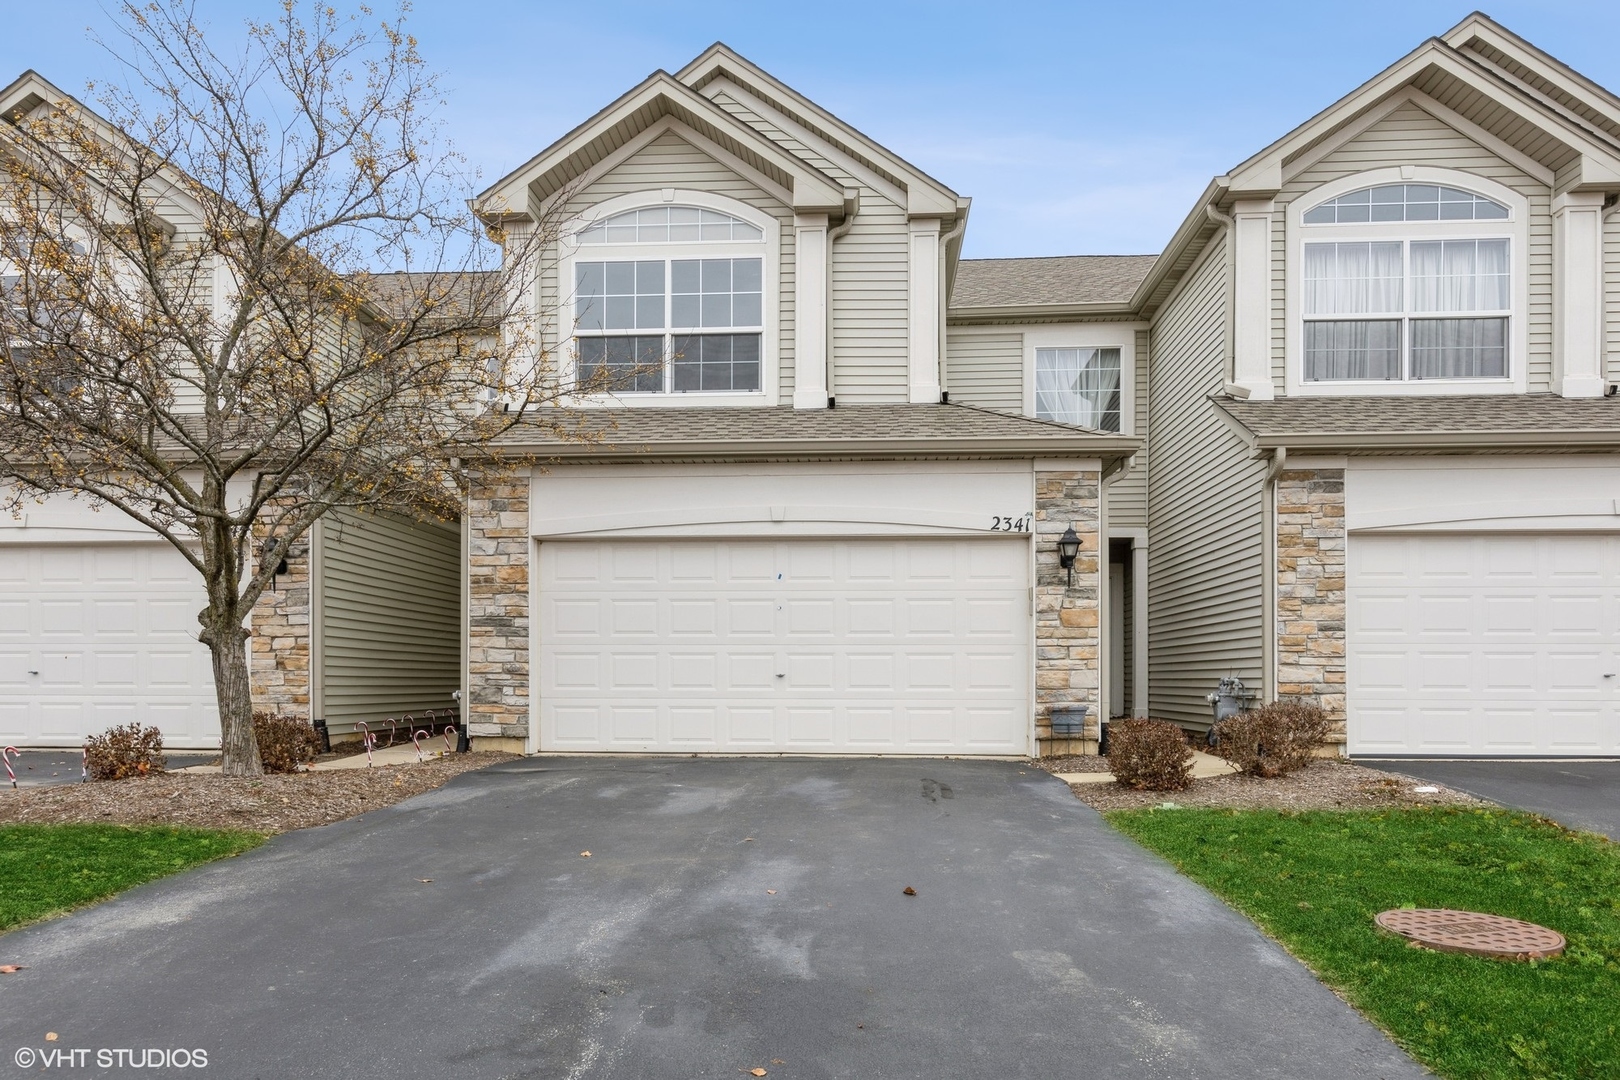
column 808, row 646
column 1484, row 644
column 93, row 635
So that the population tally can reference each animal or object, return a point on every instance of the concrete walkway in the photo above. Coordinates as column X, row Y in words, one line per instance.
column 732, row 915
column 1577, row 794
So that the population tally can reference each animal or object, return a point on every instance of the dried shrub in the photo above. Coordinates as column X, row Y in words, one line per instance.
column 1274, row 739
column 122, row 752
column 1149, row 755
column 285, row 742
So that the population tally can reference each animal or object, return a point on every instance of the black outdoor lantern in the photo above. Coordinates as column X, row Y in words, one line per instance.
column 1068, row 551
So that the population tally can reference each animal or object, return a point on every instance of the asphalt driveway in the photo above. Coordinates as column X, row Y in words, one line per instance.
column 732, row 915
column 1576, row 794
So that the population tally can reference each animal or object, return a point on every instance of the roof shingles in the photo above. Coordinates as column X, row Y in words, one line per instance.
column 1059, row 281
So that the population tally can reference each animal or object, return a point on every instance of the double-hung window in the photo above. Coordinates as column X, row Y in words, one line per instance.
column 1078, row 386
column 1407, row 307
column 672, row 324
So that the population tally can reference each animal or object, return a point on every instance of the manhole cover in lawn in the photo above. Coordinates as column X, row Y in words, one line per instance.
column 1473, row 932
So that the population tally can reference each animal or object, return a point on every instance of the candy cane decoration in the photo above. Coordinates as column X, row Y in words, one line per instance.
column 449, row 730
column 417, row 737
column 7, row 755
column 369, row 738
column 391, row 726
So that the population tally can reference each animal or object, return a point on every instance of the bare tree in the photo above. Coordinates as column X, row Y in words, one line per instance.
column 192, row 329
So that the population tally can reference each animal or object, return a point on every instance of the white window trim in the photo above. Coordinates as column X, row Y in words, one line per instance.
column 770, row 251
column 1516, row 229
column 1121, row 336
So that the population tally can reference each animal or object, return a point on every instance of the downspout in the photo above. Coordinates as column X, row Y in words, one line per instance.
column 833, row 236
column 1229, row 330
column 944, row 299
column 1268, row 548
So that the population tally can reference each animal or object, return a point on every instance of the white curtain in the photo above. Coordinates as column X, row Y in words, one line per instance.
column 1078, row 386
column 1353, row 278
column 1460, row 275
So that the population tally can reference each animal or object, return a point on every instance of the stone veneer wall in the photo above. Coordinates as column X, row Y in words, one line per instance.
column 498, row 608
column 1310, row 589
column 278, row 651
column 1068, row 620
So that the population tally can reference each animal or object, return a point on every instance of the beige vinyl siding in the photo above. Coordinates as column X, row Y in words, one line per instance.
column 1205, row 574
column 389, row 592
column 1611, row 293
column 869, row 271
column 1127, row 495
column 669, row 161
column 1410, row 136
column 984, row 366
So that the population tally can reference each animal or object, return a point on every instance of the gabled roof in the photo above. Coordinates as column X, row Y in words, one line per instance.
column 1479, row 76
column 1047, row 287
column 925, row 195
column 1442, row 422
column 849, row 432
column 804, row 187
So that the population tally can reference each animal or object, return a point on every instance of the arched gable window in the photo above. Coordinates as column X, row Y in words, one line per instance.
column 670, row 299
column 1406, row 282
column 1406, row 202
column 670, row 225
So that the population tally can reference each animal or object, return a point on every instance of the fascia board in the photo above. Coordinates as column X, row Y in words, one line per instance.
column 1105, row 447
column 1037, row 312
column 1439, row 440
column 1186, row 234
column 928, row 196
column 813, row 191
column 1483, row 28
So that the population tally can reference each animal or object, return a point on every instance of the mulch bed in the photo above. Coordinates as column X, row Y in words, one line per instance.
column 271, row 804
column 1329, row 784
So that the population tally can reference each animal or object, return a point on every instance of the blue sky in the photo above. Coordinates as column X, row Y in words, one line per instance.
column 1075, row 128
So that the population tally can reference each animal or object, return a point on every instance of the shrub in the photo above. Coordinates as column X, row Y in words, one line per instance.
column 1149, row 755
column 121, row 752
column 285, row 742
column 1274, row 739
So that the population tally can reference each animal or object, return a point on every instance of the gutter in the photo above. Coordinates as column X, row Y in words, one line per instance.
column 1107, row 448
column 1436, row 440
column 1037, row 312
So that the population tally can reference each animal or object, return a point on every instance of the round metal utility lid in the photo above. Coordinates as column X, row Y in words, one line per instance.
column 1473, row 932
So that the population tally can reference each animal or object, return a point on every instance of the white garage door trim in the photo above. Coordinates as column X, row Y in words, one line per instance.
column 1483, row 644
column 822, row 646
column 96, row 635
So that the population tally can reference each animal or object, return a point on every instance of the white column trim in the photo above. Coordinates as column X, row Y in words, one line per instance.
column 810, row 311
column 1578, row 294
column 923, row 339
column 1251, row 298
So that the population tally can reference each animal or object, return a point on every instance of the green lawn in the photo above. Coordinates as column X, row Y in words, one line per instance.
column 1314, row 881
column 47, row 869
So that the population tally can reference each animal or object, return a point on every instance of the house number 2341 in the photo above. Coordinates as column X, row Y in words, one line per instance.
column 1009, row 524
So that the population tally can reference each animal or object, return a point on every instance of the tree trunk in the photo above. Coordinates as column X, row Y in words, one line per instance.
column 239, row 747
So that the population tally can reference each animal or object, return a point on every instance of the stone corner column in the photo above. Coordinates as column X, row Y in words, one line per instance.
column 498, row 556
column 279, row 650
column 1310, row 584
column 1068, row 619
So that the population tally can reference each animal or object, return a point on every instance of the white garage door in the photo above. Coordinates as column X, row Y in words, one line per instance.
column 812, row 646
column 93, row 635
column 1484, row 644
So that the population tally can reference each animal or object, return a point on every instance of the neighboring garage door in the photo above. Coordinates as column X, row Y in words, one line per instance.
column 1484, row 644
column 93, row 635
column 809, row 646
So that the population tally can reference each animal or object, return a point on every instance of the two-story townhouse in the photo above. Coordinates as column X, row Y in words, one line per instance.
column 98, row 616
column 790, row 536
column 1384, row 470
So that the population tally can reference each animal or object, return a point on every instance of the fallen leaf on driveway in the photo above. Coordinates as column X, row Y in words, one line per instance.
column 50, row 1036
column 425, row 880
column 770, row 892
column 10, row 969
column 756, row 1072
column 748, row 839
column 777, row 1061
column 584, row 854
column 909, row 891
